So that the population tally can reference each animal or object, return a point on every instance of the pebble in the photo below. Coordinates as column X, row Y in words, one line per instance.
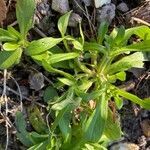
column 145, row 125
column 123, row 7
column 74, row 20
column 106, row 13
column 87, row 2
column 36, row 81
column 61, row 6
column 125, row 146
column 100, row 3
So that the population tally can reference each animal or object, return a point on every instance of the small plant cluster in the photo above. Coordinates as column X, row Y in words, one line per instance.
column 87, row 71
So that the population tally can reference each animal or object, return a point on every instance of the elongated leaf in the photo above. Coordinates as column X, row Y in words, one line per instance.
column 141, row 31
column 49, row 68
column 65, row 127
column 69, row 99
column 36, row 119
column 102, row 30
column 10, row 46
column 63, row 23
column 112, row 129
column 133, row 60
column 14, row 32
column 42, row 45
column 95, row 125
column 66, row 81
column 134, row 99
column 141, row 46
column 94, row 47
column 25, row 12
column 6, row 36
column 61, row 57
column 49, row 94
column 7, row 59
column 22, row 134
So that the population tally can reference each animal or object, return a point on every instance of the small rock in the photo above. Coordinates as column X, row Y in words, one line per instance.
column 74, row 20
column 106, row 13
column 87, row 2
column 61, row 6
column 145, row 125
column 123, row 7
column 100, row 3
column 36, row 81
column 125, row 146
column 24, row 91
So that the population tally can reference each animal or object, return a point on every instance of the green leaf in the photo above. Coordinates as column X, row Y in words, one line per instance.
column 142, row 31
column 61, row 57
column 49, row 68
column 127, row 62
column 8, row 58
column 64, row 125
column 14, row 32
column 39, row 146
column 95, row 125
column 25, row 11
column 49, row 94
column 38, row 138
column 118, row 101
column 134, row 99
column 68, row 100
column 6, row 36
column 102, row 30
column 10, row 46
column 63, row 23
column 22, row 134
column 94, row 47
column 36, row 119
column 42, row 45
column 66, row 81
column 141, row 47
column 112, row 130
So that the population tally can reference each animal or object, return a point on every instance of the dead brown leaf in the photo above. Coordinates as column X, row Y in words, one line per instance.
column 3, row 10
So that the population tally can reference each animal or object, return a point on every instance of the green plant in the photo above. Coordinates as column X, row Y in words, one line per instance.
column 87, row 71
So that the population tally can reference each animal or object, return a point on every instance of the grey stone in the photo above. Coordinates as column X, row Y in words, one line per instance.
column 87, row 2
column 61, row 6
column 100, row 3
column 123, row 7
column 74, row 20
column 106, row 13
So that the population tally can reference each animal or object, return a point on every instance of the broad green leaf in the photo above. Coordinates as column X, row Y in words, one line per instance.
column 140, row 46
column 77, row 45
column 7, row 59
column 6, row 36
column 63, row 23
column 134, row 99
column 25, row 11
column 127, row 62
column 22, row 134
column 39, row 146
column 102, row 30
column 10, row 46
column 55, row 58
column 112, row 130
column 95, row 125
column 142, row 31
column 49, row 94
column 42, row 45
column 36, row 119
